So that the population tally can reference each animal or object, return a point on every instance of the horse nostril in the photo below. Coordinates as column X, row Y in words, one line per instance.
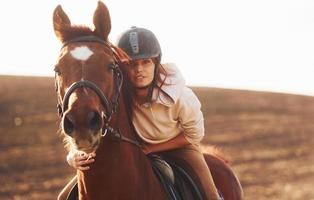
column 68, row 125
column 94, row 121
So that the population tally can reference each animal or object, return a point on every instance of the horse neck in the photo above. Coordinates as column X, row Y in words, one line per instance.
column 121, row 169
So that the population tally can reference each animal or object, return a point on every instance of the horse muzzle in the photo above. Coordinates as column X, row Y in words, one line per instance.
column 93, row 123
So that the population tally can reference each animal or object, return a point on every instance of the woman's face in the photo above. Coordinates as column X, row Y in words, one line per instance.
column 141, row 73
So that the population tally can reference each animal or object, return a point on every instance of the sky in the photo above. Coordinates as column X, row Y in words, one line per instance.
column 265, row 45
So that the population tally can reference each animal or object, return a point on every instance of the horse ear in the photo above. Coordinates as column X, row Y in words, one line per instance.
column 102, row 21
column 60, row 22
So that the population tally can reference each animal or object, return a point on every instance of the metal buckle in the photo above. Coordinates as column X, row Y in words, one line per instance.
column 104, row 133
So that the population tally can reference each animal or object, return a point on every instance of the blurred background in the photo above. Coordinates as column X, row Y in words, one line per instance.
column 249, row 62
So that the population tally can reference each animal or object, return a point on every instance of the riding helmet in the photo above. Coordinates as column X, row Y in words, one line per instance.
column 140, row 43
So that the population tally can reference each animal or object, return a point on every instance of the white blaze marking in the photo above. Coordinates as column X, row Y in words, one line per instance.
column 81, row 53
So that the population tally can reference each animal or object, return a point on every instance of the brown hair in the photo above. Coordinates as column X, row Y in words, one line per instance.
column 158, row 81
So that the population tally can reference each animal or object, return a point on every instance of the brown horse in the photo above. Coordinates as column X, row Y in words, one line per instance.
column 95, row 116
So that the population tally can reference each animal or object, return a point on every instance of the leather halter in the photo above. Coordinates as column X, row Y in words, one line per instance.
column 111, row 107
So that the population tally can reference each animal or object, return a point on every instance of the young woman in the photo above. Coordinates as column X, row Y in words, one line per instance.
column 165, row 113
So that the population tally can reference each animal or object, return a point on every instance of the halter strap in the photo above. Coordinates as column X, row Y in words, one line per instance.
column 117, row 134
column 86, row 38
column 91, row 85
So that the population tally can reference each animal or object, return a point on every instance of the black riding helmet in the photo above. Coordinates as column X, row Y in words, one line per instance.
column 140, row 43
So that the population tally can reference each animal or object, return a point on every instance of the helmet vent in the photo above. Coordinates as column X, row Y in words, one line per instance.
column 134, row 42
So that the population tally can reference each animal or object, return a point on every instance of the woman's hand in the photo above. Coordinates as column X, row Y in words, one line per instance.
column 80, row 160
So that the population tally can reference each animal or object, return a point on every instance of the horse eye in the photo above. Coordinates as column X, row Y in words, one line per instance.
column 112, row 66
column 57, row 70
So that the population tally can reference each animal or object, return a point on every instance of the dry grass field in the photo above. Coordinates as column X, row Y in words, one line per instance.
column 267, row 136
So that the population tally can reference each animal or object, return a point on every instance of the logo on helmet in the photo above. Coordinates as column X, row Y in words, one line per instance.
column 134, row 42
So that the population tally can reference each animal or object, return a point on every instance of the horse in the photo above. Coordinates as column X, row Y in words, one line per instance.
column 95, row 116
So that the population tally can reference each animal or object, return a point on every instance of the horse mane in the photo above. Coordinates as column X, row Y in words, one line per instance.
column 70, row 32
column 124, row 62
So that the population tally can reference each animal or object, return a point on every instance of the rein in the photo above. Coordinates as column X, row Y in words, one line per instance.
column 111, row 107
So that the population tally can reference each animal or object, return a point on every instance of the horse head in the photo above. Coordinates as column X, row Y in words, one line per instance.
column 88, row 78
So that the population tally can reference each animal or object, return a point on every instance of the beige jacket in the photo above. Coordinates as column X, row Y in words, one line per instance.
column 174, row 110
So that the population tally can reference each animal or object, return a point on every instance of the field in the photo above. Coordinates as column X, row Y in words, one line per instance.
column 268, row 138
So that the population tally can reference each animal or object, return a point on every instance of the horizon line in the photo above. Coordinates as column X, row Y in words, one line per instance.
column 213, row 86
